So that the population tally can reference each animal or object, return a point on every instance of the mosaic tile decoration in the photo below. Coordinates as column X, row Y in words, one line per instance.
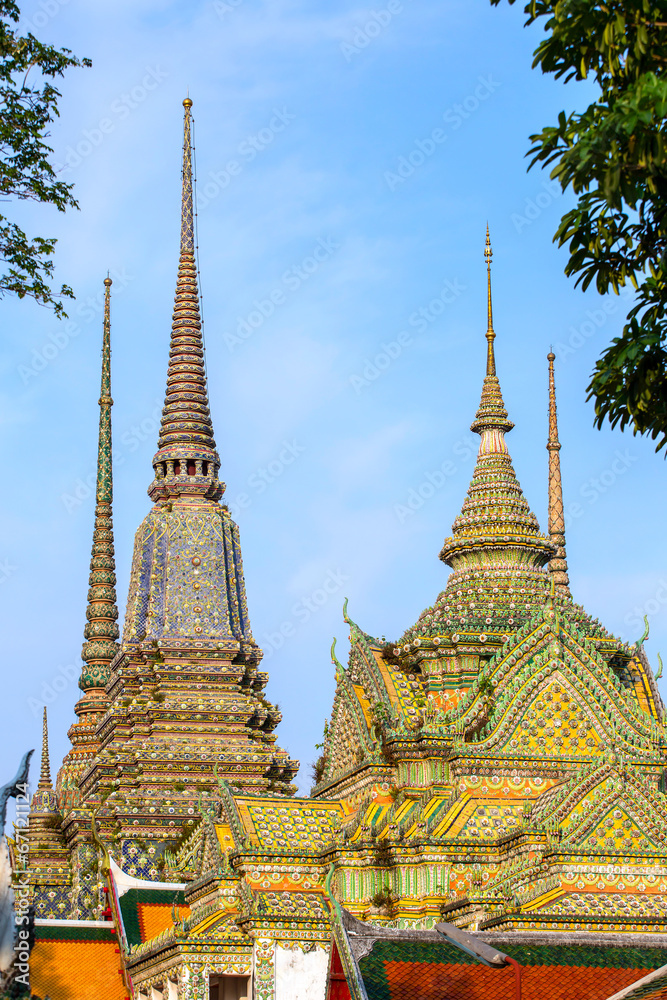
column 292, row 825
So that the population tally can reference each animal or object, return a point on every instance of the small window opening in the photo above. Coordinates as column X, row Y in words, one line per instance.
column 229, row 988
column 192, row 468
column 204, row 468
column 177, row 468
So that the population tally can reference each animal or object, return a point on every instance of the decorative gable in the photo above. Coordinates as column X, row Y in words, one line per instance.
column 559, row 721
column 618, row 831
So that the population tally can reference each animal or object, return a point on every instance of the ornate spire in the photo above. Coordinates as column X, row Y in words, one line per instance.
column 45, row 772
column 101, row 630
column 45, row 800
column 558, row 564
column 496, row 528
column 186, row 463
column 491, row 415
column 174, row 598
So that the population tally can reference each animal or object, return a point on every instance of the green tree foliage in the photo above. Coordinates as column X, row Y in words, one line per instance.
column 28, row 104
column 612, row 156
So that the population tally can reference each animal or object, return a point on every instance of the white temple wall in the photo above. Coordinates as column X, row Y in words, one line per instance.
column 301, row 975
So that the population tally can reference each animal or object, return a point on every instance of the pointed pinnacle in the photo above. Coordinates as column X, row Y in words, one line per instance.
column 495, row 515
column 490, row 334
column 558, row 564
column 491, row 414
column 101, row 630
column 187, row 221
column 45, row 772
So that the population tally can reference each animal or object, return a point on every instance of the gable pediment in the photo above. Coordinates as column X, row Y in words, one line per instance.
column 605, row 808
column 619, row 815
column 549, row 715
column 552, row 696
column 618, row 830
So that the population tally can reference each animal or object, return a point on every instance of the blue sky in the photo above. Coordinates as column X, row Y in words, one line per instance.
column 383, row 138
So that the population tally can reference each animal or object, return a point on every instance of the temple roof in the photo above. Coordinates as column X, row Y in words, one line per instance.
column 395, row 963
column 76, row 958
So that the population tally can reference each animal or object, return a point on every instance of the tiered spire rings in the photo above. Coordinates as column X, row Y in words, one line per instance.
column 171, row 598
column 45, row 772
column 186, row 463
column 558, row 564
column 44, row 800
column 101, row 631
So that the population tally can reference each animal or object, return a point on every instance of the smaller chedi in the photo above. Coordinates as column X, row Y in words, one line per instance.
column 522, row 746
column 491, row 784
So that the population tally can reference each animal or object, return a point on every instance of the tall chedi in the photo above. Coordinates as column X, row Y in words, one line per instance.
column 186, row 702
column 101, row 631
column 499, row 581
column 507, row 752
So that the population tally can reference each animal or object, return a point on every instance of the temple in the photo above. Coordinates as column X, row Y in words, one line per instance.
column 491, row 784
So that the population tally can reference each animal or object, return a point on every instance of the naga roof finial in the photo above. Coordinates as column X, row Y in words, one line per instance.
column 186, row 463
column 340, row 669
column 558, row 564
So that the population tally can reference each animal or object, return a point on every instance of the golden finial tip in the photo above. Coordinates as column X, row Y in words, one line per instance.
column 488, row 252
column 551, row 356
column 108, row 281
column 187, row 103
